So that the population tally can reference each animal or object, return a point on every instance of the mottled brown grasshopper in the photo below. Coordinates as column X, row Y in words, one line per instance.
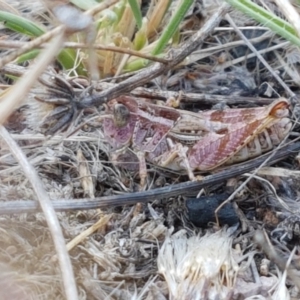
column 186, row 141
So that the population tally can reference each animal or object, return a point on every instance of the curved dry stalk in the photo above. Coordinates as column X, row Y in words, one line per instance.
column 272, row 188
column 14, row 97
column 52, row 221
column 190, row 188
column 262, row 239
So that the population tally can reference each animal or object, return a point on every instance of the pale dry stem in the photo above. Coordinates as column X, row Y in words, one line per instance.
column 46, row 205
column 9, row 103
column 104, row 219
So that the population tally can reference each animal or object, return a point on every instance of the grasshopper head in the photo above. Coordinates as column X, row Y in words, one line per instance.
column 121, row 115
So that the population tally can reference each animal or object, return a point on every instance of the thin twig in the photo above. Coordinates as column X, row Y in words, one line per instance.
column 51, row 218
column 242, row 59
column 102, row 222
column 206, row 99
column 72, row 45
column 186, row 188
column 30, row 45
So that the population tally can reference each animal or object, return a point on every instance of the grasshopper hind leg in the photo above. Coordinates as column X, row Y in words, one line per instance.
column 176, row 159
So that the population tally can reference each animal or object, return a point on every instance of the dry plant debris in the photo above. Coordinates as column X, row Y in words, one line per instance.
column 217, row 59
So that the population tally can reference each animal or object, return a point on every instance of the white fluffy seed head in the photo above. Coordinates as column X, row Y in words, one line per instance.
column 193, row 265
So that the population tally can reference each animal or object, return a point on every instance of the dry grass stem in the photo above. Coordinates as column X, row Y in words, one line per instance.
column 46, row 205
column 281, row 172
column 185, row 188
column 248, row 179
column 84, row 234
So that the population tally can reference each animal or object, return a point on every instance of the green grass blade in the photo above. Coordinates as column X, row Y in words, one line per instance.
column 266, row 18
column 20, row 24
column 67, row 58
column 172, row 26
column 135, row 7
column 28, row 56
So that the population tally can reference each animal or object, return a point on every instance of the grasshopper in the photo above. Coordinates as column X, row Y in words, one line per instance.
column 186, row 141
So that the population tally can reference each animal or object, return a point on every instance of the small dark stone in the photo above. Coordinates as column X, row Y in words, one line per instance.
column 201, row 210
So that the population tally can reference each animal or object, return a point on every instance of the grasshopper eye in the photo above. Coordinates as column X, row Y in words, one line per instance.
column 121, row 115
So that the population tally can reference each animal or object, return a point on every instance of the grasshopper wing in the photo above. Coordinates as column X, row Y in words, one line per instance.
column 215, row 149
